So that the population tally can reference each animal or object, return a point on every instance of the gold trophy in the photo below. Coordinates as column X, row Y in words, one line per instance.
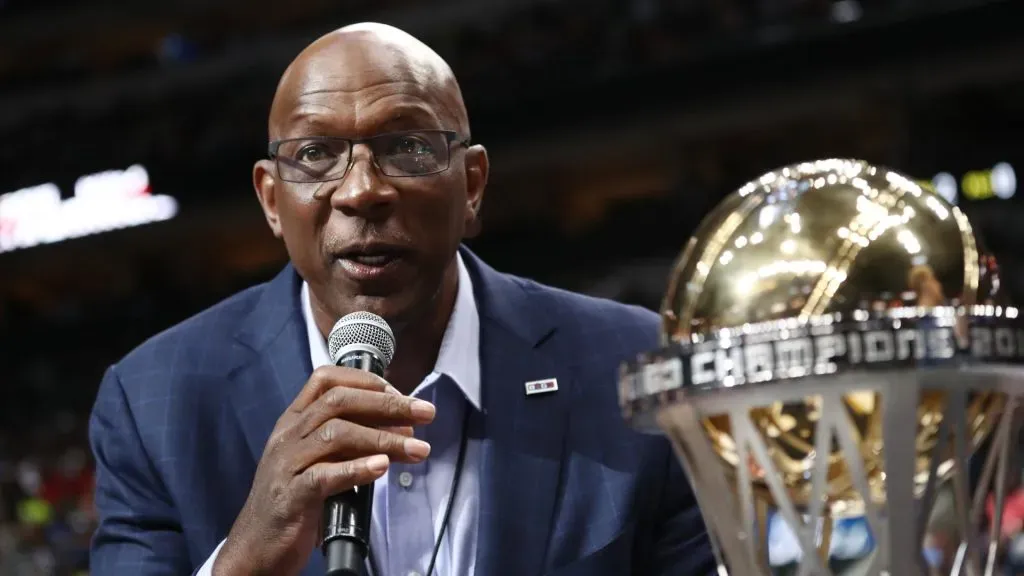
column 836, row 344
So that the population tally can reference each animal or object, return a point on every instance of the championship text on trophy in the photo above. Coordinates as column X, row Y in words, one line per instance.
column 837, row 345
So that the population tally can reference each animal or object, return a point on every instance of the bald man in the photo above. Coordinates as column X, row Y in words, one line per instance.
column 218, row 441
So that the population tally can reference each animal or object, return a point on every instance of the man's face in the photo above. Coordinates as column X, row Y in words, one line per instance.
column 368, row 241
column 931, row 290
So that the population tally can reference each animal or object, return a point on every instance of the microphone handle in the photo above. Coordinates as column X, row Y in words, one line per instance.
column 347, row 516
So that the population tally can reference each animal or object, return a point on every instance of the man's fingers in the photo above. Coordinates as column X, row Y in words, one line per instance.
column 400, row 430
column 326, row 377
column 339, row 440
column 366, row 407
column 325, row 479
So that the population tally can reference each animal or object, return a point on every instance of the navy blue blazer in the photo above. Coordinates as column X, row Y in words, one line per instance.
column 567, row 489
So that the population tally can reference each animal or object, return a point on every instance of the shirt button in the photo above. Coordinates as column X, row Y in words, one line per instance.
column 405, row 480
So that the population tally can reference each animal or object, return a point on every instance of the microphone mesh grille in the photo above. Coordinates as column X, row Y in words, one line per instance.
column 362, row 328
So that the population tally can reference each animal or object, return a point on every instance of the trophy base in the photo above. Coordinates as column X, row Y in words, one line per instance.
column 845, row 567
column 934, row 508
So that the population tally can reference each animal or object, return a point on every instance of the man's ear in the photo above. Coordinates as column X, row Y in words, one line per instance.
column 478, row 169
column 266, row 190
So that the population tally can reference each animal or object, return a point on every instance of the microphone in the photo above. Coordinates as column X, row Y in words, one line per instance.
column 363, row 341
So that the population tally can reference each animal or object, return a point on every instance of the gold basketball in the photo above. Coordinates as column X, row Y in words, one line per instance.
column 838, row 239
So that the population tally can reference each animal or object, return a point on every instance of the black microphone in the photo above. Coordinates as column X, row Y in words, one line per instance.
column 363, row 341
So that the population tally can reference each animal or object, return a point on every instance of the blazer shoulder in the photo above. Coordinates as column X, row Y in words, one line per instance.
column 199, row 345
column 600, row 323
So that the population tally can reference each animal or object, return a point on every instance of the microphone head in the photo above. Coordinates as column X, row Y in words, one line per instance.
column 365, row 332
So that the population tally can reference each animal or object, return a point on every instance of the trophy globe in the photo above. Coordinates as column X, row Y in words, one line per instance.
column 836, row 345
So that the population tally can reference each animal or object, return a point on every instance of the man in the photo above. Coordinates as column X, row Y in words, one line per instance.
column 213, row 456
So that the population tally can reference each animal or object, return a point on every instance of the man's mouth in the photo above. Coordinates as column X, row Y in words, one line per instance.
column 372, row 261
column 380, row 259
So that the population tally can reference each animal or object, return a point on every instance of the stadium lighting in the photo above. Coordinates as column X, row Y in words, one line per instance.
column 102, row 202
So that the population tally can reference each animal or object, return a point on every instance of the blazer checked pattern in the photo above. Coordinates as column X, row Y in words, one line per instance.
column 567, row 489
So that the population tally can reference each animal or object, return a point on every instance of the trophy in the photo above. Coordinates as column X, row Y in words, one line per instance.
column 836, row 344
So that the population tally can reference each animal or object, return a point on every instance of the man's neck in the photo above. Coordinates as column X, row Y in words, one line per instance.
column 419, row 339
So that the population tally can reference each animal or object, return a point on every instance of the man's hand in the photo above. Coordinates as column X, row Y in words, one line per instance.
column 341, row 431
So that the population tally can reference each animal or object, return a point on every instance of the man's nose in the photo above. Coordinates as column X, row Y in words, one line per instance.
column 363, row 193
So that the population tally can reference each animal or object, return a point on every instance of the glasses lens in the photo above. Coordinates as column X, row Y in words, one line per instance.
column 411, row 153
column 312, row 159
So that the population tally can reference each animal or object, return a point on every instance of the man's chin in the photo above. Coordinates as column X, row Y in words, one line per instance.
column 396, row 307
column 400, row 300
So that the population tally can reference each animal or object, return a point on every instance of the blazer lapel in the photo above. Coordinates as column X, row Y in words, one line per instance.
column 523, row 437
column 276, row 334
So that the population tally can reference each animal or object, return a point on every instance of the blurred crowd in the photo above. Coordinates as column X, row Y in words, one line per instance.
column 46, row 499
column 512, row 58
column 525, row 34
column 52, row 369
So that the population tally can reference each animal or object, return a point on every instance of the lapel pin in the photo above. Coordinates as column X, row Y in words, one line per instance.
column 541, row 386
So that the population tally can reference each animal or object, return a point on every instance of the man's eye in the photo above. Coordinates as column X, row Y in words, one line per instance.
column 313, row 153
column 410, row 145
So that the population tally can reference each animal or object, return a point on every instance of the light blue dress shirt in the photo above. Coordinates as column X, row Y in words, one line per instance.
column 409, row 501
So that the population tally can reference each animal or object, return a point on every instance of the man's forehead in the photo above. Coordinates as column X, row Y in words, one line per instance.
column 350, row 63
column 355, row 68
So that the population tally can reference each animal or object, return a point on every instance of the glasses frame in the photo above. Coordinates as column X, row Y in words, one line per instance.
column 451, row 139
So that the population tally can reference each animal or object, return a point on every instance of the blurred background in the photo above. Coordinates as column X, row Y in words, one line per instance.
column 128, row 131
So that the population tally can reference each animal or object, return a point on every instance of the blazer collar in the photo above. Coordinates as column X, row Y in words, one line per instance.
column 507, row 302
column 503, row 302
column 277, row 307
column 275, row 333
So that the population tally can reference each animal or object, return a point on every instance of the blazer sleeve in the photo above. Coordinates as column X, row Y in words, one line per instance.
column 681, row 544
column 139, row 531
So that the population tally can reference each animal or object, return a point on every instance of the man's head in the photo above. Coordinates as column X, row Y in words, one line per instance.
column 921, row 279
column 371, row 225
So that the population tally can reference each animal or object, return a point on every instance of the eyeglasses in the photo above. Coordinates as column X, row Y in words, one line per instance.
column 398, row 155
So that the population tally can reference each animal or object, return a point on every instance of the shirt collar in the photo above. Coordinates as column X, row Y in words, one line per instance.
column 459, row 357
